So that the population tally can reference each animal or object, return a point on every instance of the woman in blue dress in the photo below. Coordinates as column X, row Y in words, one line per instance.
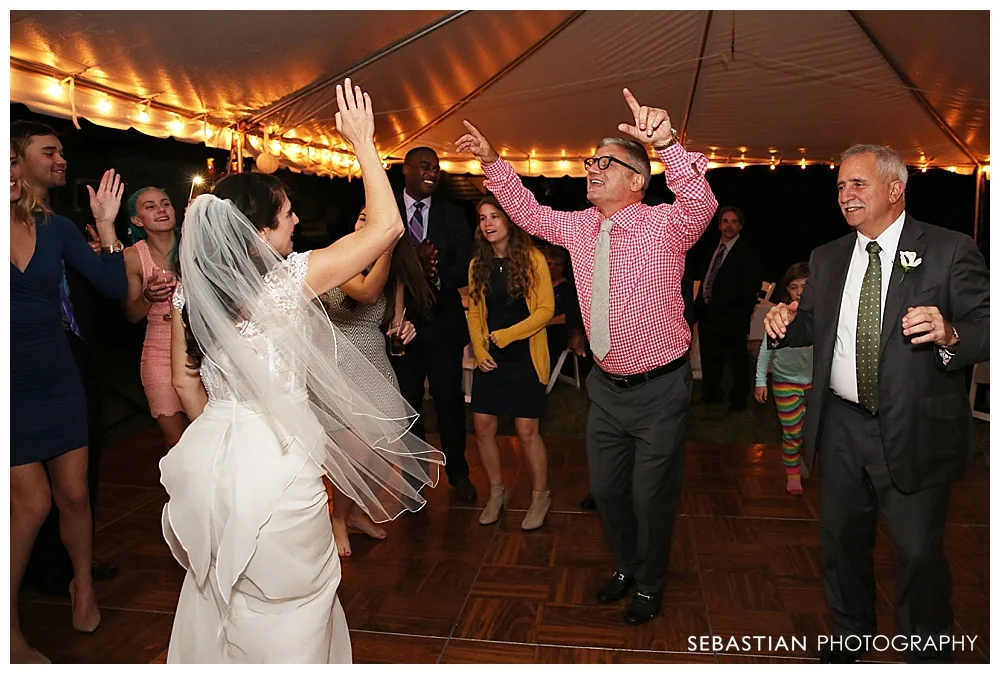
column 48, row 412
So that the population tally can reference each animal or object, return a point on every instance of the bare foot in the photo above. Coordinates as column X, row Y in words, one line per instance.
column 86, row 615
column 364, row 523
column 340, row 537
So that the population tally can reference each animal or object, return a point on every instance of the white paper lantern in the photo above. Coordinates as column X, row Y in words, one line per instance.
column 267, row 163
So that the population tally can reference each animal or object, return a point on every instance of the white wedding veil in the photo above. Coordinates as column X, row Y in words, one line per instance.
column 257, row 322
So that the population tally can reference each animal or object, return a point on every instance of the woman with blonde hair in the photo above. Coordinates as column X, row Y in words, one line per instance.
column 510, row 303
column 48, row 410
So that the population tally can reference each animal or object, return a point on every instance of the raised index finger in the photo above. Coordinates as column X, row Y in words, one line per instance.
column 472, row 129
column 632, row 103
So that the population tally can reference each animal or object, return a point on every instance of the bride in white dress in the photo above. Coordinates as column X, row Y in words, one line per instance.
column 275, row 395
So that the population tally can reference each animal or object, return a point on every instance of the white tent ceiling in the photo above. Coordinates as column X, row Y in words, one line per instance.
column 742, row 86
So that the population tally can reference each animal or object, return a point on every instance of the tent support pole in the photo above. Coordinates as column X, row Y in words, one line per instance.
column 979, row 201
column 295, row 97
column 916, row 91
column 697, row 73
column 491, row 81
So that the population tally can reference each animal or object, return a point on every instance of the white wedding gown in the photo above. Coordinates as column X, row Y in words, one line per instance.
column 247, row 517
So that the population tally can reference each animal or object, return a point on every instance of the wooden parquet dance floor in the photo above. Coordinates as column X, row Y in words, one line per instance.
column 443, row 588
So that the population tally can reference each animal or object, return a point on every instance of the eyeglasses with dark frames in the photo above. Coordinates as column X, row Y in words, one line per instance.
column 603, row 162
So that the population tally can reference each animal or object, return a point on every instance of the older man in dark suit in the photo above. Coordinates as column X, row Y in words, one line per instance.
column 442, row 237
column 895, row 310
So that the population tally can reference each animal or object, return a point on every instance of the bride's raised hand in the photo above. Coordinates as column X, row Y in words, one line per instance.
column 355, row 119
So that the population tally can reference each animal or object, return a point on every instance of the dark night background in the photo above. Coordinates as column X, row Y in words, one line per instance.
column 789, row 210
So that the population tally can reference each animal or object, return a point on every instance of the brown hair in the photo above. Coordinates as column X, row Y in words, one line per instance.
column 259, row 197
column 519, row 247
column 405, row 269
column 796, row 271
column 30, row 202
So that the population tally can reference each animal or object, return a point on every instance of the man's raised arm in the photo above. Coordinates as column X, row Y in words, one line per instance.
column 556, row 227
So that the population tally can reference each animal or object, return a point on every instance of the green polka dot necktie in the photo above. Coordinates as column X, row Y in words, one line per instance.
column 869, row 328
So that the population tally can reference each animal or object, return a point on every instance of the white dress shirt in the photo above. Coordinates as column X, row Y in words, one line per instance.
column 724, row 252
column 410, row 204
column 844, row 373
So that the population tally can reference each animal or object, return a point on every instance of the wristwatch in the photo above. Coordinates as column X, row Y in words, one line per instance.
column 116, row 247
column 673, row 139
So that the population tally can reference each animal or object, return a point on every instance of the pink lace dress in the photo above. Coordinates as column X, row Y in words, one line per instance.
column 154, row 368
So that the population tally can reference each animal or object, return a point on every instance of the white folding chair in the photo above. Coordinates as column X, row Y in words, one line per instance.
column 767, row 289
column 980, row 375
column 557, row 372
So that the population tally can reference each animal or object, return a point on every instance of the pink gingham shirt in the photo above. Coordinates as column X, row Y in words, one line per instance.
column 648, row 246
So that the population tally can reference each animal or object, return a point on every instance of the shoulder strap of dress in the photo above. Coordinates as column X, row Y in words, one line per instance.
column 145, row 258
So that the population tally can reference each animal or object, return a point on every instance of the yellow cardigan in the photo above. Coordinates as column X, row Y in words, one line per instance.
column 541, row 307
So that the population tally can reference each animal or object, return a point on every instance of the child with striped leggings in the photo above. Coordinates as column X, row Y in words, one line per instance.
column 791, row 377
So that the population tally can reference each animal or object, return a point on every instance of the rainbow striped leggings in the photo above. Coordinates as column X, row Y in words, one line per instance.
column 790, row 399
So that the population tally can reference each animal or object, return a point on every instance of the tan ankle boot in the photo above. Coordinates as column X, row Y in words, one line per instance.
column 540, row 503
column 495, row 506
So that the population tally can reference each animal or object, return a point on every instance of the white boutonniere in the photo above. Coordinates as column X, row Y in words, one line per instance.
column 909, row 261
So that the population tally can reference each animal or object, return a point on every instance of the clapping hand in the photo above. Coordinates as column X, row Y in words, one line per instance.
column 476, row 144
column 93, row 239
column 428, row 254
column 355, row 119
column 779, row 317
column 652, row 125
column 929, row 325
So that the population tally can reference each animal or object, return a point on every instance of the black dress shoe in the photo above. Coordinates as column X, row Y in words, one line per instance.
column 466, row 491
column 838, row 656
column 644, row 606
column 102, row 570
column 588, row 503
column 616, row 588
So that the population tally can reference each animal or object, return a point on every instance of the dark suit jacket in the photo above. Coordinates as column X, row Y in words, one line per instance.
column 924, row 412
column 448, row 229
column 734, row 293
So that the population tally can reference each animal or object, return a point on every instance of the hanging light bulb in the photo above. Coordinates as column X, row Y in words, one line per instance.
column 55, row 89
column 105, row 105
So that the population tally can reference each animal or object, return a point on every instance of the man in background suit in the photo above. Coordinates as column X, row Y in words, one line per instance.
column 895, row 310
column 441, row 235
column 724, row 306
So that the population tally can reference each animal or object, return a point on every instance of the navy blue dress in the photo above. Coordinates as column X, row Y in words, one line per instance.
column 48, row 411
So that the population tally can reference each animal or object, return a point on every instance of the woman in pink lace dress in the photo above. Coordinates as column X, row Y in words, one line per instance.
column 150, row 286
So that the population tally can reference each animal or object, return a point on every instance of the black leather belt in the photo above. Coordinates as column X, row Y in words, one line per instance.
column 630, row 380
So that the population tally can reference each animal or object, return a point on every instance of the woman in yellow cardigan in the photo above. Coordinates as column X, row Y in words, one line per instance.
column 510, row 303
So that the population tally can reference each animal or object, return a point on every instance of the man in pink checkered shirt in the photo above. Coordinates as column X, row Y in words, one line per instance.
column 628, row 259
